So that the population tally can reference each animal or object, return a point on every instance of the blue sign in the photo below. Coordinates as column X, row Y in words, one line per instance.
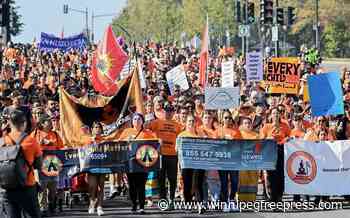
column 326, row 94
column 221, row 154
column 104, row 158
column 50, row 42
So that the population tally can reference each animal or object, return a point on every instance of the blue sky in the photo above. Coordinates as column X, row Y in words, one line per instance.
column 47, row 16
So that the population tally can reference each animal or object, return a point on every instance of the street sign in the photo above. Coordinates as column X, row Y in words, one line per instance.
column 275, row 33
column 243, row 31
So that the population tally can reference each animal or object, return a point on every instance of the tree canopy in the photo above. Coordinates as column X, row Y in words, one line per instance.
column 168, row 20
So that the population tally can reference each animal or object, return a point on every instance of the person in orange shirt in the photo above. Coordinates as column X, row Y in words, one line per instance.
column 298, row 130
column 248, row 180
column 137, row 181
column 228, row 130
column 23, row 199
column 158, row 107
column 48, row 140
column 167, row 130
column 188, row 174
column 279, row 131
column 320, row 124
column 207, row 130
column 96, row 181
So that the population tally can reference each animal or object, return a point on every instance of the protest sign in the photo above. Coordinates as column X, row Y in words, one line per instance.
column 227, row 75
column 222, row 154
column 106, row 157
column 282, row 75
column 283, row 70
column 221, row 98
column 310, row 167
column 50, row 42
column 326, row 94
column 285, row 88
column 177, row 76
column 254, row 66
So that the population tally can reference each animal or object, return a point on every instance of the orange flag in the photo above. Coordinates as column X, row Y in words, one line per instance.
column 203, row 58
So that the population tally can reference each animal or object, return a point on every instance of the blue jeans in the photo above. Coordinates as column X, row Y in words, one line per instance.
column 224, row 175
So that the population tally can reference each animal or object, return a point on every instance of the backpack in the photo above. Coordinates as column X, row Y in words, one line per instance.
column 13, row 170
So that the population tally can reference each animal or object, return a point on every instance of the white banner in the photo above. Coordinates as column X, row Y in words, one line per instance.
column 317, row 168
column 227, row 74
column 177, row 76
column 221, row 98
column 254, row 66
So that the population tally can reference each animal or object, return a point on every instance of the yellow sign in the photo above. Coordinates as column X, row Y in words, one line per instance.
column 284, row 88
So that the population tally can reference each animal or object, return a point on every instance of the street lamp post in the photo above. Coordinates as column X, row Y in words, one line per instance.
column 93, row 23
column 85, row 12
column 316, row 27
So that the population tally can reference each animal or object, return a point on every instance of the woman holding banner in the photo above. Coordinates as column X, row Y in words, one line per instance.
column 207, row 130
column 228, row 130
column 279, row 131
column 137, row 181
column 189, row 174
column 248, row 179
column 96, row 181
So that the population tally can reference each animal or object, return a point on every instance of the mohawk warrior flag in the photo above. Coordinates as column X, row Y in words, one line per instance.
column 108, row 61
column 78, row 114
column 203, row 57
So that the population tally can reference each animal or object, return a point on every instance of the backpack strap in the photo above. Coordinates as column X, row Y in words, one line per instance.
column 18, row 142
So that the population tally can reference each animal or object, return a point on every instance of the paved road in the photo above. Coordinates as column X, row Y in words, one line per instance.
column 121, row 208
column 335, row 66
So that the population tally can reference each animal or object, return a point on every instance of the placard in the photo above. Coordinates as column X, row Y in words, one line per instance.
column 221, row 98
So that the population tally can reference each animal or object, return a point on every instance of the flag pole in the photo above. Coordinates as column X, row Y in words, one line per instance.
column 206, row 70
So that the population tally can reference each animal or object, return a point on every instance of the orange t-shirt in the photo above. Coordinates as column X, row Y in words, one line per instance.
column 55, row 141
column 228, row 133
column 280, row 134
column 31, row 150
column 249, row 134
column 160, row 114
column 297, row 133
column 131, row 134
column 167, row 131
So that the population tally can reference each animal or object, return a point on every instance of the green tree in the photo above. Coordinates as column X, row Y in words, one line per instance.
column 336, row 38
column 16, row 24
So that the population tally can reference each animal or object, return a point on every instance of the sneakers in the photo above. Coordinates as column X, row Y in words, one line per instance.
column 142, row 212
column 91, row 210
column 100, row 211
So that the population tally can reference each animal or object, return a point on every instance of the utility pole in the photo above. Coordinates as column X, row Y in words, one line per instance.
column 246, row 23
column 277, row 29
column 66, row 8
column 87, row 24
column 316, row 27
column 93, row 16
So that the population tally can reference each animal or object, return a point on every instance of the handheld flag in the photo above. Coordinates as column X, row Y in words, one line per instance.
column 108, row 61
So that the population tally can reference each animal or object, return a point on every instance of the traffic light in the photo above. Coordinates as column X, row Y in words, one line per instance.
column 291, row 16
column 251, row 14
column 280, row 16
column 238, row 12
column 266, row 11
column 65, row 9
